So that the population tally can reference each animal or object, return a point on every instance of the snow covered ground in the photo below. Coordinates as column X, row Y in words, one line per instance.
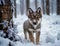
column 50, row 32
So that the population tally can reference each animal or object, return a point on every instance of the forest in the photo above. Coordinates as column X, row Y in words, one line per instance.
column 13, row 14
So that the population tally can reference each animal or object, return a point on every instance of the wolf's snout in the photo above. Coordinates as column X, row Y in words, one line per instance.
column 34, row 23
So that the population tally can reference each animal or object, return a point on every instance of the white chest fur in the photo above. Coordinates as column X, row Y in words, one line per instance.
column 34, row 30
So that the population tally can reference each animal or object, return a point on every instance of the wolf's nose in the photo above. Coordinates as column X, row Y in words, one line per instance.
column 34, row 23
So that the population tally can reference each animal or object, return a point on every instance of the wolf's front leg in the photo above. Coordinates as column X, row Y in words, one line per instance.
column 31, row 36
column 25, row 33
column 37, row 37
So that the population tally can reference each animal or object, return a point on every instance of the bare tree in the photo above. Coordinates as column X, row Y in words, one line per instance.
column 22, row 6
column 43, row 6
column 47, row 7
column 36, row 4
column 27, row 4
column 58, row 7
column 1, row 26
column 15, row 8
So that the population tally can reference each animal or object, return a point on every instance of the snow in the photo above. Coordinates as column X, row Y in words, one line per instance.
column 50, row 32
column 4, row 42
column 49, row 29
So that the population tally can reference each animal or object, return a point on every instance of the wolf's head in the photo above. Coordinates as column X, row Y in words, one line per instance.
column 34, row 17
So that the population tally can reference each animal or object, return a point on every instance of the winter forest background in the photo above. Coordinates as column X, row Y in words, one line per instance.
column 13, row 15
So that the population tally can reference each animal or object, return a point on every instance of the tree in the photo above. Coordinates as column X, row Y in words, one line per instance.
column 15, row 8
column 47, row 7
column 1, row 26
column 36, row 4
column 22, row 6
column 43, row 6
column 58, row 7
column 27, row 4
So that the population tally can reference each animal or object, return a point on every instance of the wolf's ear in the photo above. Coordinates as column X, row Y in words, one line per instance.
column 38, row 10
column 30, row 11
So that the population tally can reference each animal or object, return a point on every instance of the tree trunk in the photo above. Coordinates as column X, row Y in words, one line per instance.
column 27, row 4
column 0, row 16
column 22, row 6
column 47, row 7
column 15, row 8
column 58, row 7
column 36, row 4
column 43, row 6
column 1, row 26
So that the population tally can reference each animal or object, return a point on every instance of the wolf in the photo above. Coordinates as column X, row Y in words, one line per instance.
column 33, row 24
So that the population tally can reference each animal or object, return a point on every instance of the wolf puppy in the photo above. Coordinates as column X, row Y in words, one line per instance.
column 33, row 24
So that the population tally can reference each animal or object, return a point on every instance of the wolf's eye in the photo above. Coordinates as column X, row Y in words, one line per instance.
column 37, row 17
